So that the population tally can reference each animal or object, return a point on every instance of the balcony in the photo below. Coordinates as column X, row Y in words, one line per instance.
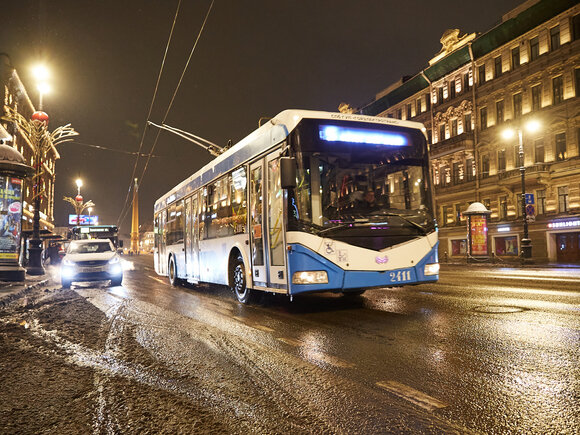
column 461, row 142
column 514, row 175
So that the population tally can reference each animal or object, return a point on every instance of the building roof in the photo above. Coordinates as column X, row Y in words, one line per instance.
column 483, row 44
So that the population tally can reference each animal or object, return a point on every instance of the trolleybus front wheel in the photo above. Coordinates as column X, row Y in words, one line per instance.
column 239, row 285
column 172, row 272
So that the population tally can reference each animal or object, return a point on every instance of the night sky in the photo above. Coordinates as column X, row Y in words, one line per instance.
column 254, row 59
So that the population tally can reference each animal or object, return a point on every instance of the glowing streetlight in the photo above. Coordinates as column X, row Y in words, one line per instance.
column 78, row 202
column 41, row 74
column 531, row 127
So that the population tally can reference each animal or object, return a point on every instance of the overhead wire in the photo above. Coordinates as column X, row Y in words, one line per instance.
column 169, row 107
column 127, row 204
column 139, row 154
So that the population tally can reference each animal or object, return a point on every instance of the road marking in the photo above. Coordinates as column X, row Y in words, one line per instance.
column 262, row 328
column 418, row 398
column 157, row 279
column 291, row 341
column 332, row 360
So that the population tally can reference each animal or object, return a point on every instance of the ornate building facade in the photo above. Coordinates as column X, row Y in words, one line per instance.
column 526, row 68
column 13, row 94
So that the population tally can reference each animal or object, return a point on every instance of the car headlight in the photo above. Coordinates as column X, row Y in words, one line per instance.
column 310, row 277
column 114, row 260
column 66, row 262
column 431, row 269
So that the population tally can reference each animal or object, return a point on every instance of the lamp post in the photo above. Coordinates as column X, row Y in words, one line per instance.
column 37, row 134
column 79, row 199
column 531, row 126
column 78, row 203
column 41, row 74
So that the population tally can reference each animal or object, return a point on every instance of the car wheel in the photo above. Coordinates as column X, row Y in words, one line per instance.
column 239, row 285
column 66, row 283
column 116, row 281
column 172, row 272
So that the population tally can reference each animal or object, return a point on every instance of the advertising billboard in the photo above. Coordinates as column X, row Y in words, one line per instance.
column 478, row 229
column 10, row 216
column 84, row 219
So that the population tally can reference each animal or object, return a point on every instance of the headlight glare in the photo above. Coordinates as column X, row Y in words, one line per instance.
column 431, row 269
column 310, row 277
column 67, row 272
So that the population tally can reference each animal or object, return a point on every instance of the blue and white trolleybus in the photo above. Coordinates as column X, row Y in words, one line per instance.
column 309, row 202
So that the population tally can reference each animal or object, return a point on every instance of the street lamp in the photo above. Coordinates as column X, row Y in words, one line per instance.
column 41, row 74
column 531, row 127
column 77, row 201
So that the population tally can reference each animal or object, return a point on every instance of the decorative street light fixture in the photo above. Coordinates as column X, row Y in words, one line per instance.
column 531, row 127
column 41, row 74
column 36, row 132
column 77, row 201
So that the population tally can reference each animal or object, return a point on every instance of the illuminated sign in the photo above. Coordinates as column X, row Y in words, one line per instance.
column 478, row 235
column 10, row 217
column 85, row 219
column 504, row 229
column 564, row 224
column 333, row 133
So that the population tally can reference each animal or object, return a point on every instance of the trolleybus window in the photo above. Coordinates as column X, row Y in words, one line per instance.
column 342, row 185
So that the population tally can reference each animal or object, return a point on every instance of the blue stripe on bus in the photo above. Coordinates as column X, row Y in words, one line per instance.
column 301, row 258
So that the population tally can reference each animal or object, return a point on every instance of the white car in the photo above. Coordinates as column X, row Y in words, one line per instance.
column 91, row 260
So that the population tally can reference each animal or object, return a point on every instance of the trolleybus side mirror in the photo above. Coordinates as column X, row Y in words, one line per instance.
column 288, row 172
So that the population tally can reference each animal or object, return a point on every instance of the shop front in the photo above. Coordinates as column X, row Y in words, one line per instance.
column 563, row 240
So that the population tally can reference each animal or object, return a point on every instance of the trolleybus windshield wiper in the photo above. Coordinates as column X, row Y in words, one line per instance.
column 409, row 221
column 367, row 222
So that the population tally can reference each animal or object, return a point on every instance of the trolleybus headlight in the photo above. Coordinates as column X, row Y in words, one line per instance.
column 310, row 277
column 431, row 269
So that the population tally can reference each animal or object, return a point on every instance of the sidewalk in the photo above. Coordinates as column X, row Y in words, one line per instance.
column 513, row 264
column 11, row 290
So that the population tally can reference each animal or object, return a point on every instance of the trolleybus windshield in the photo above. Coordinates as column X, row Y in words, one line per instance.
column 364, row 182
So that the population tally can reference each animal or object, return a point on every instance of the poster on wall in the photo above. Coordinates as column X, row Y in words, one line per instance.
column 10, row 216
column 478, row 232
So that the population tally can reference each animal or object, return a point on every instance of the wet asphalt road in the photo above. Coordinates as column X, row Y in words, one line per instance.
column 487, row 350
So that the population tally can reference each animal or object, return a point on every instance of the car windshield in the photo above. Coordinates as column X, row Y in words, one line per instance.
column 89, row 248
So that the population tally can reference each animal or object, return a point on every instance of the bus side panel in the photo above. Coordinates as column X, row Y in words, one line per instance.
column 177, row 251
column 214, row 255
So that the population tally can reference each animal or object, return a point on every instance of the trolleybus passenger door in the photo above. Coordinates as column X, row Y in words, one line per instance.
column 257, row 225
column 191, row 240
column 195, row 239
column 162, row 243
column 275, row 220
